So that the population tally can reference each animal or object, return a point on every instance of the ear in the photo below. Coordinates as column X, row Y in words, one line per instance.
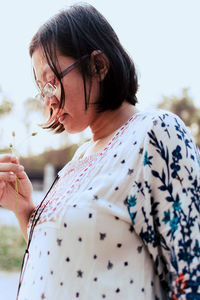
column 99, row 64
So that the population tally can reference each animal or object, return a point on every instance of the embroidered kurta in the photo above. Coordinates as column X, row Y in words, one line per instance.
column 123, row 223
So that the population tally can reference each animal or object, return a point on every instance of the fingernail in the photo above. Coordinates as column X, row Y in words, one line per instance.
column 12, row 177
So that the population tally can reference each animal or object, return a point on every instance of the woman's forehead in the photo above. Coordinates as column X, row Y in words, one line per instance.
column 40, row 65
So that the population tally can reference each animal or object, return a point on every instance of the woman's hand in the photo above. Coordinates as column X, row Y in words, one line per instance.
column 15, row 186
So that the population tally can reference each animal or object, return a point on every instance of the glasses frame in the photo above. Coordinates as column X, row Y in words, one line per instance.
column 41, row 95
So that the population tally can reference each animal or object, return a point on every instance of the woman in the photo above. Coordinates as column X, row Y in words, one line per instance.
column 121, row 219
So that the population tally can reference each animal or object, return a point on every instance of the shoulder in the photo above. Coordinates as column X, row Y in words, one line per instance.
column 165, row 125
column 169, row 141
column 159, row 118
column 160, row 131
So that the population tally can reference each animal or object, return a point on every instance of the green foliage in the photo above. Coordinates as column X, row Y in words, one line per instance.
column 33, row 104
column 5, row 107
column 5, row 150
column 185, row 108
column 58, row 158
column 12, row 247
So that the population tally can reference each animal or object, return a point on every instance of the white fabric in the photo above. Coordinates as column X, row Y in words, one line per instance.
column 84, row 246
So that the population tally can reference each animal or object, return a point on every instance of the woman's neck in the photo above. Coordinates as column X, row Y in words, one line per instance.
column 109, row 121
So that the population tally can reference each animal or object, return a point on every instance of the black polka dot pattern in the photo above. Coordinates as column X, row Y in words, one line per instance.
column 67, row 259
column 97, row 230
column 79, row 273
column 102, row 236
column 109, row 265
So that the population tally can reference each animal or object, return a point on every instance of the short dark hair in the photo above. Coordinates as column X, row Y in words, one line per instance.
column 76, row 32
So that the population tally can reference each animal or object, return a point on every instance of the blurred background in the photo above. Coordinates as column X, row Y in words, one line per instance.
column 162, row 37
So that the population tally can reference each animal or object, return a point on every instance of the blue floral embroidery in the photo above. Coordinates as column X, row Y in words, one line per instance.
column 166, row 218
column 174, row 185
column 176, row 204
column 147, row 159
column 174, row 224
column 131, row 203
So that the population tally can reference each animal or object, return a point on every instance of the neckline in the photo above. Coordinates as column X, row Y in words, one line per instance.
column 117, row 132
column 93, row 157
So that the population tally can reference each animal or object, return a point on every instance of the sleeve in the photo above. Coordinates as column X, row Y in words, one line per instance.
column 166, row 206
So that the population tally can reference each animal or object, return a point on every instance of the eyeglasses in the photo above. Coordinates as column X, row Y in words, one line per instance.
column 49, row 90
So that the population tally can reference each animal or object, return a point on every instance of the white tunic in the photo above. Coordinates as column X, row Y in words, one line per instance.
column 110, row 229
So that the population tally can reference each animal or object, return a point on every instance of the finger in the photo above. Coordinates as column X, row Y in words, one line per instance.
column 15, row 160
column 8, row 158
column 6, row 167
column 2, row 184
column 6, row 176
column 22, row 175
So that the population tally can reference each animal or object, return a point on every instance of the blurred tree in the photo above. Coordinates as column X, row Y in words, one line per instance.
column 6, row 105
column 185, row 108
column 32, row 105
column 33, row 110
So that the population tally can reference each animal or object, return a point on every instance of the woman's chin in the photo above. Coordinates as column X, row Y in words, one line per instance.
column 71, row 125
column 73, row 129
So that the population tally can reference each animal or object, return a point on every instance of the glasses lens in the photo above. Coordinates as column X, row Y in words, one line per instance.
column 39, row 97
column 49, row 90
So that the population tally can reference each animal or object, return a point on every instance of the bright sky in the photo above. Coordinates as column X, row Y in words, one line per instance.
column 162, row 36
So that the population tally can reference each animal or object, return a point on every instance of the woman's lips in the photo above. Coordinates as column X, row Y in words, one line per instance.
column 62, row 118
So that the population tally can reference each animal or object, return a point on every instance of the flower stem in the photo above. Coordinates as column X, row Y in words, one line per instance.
column 18, row 181
column 16, row 194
